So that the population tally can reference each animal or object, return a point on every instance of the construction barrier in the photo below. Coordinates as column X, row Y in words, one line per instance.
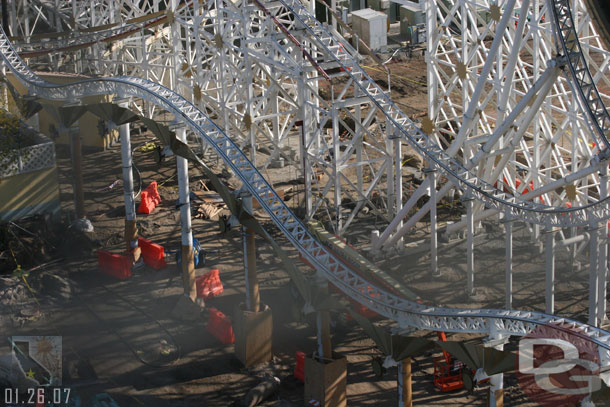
column 153, row 254
column 209, row 285
column 115, row 265
column 527, row 189
column 150, row 198
column 299, row 369
column 220, row 326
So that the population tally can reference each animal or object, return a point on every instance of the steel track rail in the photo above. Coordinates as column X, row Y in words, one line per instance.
column 405, row 313
column 468, row 182
column 79, row 40
column 492, row 197
column 582, row 80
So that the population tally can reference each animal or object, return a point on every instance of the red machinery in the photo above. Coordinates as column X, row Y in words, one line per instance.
column 447, row 370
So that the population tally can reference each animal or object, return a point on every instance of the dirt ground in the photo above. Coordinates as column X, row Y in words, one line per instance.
column 119, row 336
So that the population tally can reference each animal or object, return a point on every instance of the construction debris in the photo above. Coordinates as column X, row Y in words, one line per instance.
column 260, row 392
column 211, row 205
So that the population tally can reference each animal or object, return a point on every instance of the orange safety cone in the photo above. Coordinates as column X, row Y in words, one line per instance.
column 220, row 326
column 299, row 369
column 209, row 285
column 115, row 265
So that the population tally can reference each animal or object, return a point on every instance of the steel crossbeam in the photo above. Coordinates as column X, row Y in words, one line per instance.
column 492, row 197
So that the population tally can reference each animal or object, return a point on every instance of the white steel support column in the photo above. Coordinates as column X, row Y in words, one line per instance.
column 508, row 228
column 603, row 250
column 482, row 79
column 176, row 45
column 496, row 382
column 431, row 174
column 536, row 94
column 126, row 159
column 398, row 178
column 469, row 247
column 549, row 247
column 432, row 33
column 131, row 231
column 390, row 170
column 336, row 151
column 188, row 265
column 305, row 140
column 593, row 275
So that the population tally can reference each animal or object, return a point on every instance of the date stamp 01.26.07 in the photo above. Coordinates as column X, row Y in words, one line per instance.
column 31, row 374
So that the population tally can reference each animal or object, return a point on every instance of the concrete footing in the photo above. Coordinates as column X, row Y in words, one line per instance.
column 326, row 381
column 253, row 335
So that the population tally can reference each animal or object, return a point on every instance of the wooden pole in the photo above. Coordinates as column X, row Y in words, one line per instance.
column 77, row 163
column 323, row 325
column 405, row 389
column 253, row 297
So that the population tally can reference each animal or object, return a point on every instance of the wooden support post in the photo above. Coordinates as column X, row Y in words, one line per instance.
column 253, row 298
column 496, row 382
column 323, row 326
column 77, row 174
column 405, row 388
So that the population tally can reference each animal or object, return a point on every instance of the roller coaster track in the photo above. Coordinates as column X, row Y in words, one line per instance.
column 77, row 40
column 472, row 185
column 582, row 80
column 460, row 176
column 406, row 313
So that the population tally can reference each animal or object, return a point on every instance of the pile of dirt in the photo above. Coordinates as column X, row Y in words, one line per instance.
column 32, row 242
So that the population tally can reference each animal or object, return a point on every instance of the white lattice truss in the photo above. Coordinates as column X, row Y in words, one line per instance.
column 505, row 119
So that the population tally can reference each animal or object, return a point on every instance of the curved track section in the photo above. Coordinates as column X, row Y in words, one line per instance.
column 582, row 80
column 472, row 185
column 78, row 40
column 406, row 313
column 464, row 179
